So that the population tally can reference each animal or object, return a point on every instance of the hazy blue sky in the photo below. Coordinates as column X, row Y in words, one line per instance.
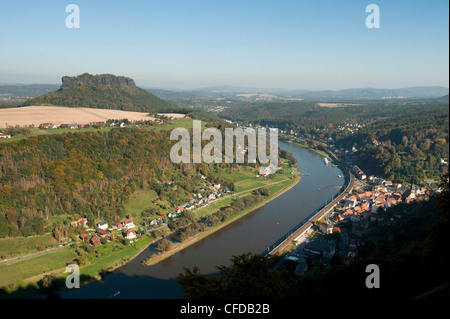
column 311, row 44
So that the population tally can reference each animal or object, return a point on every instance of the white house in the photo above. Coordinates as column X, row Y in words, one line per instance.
column 128, row 224
column 172, row 214
column 103, row 225
column 130, row 234
column 156, row 221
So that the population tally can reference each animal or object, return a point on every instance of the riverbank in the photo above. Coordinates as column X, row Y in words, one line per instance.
column 108, row 259
column 253, row 232
column 179, row 247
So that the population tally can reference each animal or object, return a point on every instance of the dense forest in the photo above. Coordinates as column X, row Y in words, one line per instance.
column 89, row 174
column 411, row 147
column 400, row 140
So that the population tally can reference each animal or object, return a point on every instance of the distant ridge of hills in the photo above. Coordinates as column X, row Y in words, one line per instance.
column 118, row 92
column 353, row 93
column 105, row 91
column 371, row 93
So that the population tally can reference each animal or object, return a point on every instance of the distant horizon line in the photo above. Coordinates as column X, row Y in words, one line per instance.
column 246, row 87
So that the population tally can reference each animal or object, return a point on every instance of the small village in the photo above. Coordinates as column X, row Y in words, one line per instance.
column 341, row 232
column 128, row 230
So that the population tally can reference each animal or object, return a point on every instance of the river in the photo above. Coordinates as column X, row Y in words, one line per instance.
column 254, row 232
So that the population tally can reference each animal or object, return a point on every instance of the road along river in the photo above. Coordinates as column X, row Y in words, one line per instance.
column 254, row 232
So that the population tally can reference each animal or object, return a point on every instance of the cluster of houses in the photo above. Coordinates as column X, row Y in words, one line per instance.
column 359, row 173
column 103, row 230
column 364, row 205
column 199, row 200
column 351, row 127
column 361, row 208
column 48, row 126
column 382, row 195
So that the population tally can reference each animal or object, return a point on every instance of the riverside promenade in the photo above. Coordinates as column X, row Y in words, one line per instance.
column 320, row 214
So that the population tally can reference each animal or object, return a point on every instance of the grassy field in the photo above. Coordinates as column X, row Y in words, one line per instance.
column 37, row 131
column 17, row 272
column 13, row 247
column 106, row 257
column 139, row 201
column 110, row 257
column 178, row 123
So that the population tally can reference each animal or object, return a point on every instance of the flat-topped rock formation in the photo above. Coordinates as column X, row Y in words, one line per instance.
column 96, row 80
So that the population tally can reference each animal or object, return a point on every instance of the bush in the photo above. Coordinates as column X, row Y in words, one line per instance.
column 163, row 245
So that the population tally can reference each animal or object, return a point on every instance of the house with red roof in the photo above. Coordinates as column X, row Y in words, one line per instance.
column 95, row 241
column 397, row 196
column 130, row 234
column 102, row 232
column 84, row 237
column 117, row 226
column 365, row 206
column 348, row 212
column 80, row 222
column 361, row 195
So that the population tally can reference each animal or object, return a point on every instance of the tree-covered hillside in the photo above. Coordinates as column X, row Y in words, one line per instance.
column 126, row 98
column 399, row 140
column 89, row 174
column 104, row 91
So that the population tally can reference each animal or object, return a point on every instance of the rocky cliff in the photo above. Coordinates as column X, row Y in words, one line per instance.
column 96, row 80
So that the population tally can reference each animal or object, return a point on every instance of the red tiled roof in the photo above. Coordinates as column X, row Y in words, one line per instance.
column 84, row 236
column 79, row 221
column 95, row 240
column 102, row 231
column 128, row 232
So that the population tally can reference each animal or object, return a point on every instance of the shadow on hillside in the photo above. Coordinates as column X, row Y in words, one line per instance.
column 114, row 285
